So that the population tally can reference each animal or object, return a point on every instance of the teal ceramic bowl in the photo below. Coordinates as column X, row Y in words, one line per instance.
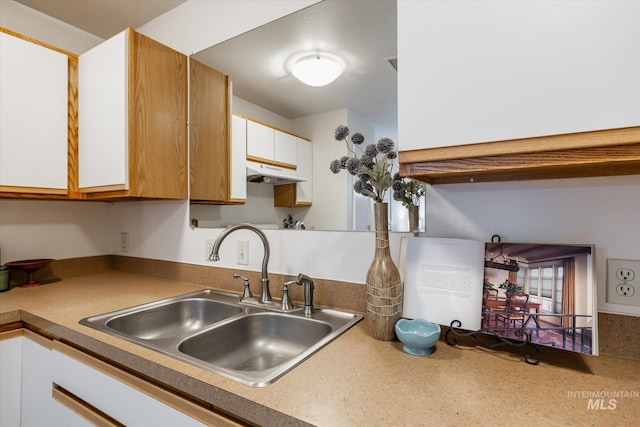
column 418, row 336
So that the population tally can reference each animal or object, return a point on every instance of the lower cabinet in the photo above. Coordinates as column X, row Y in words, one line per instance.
column 10, row 378
column 44, row 382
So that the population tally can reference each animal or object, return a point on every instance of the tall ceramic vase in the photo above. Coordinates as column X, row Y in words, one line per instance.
column 384, row 287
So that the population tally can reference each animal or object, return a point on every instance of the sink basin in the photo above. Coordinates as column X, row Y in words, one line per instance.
column 256, row 342
column 173, row 318
column 249, row 343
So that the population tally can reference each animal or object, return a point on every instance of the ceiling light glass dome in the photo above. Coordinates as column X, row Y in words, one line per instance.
column 316, row 70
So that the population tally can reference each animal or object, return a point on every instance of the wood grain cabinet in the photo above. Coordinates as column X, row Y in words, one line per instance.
column 217, row 141
column 132, row 120
column 38, row 116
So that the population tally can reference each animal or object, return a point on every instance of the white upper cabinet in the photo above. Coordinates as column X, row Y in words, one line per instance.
column 489, row 71
column 34, row 84
column 285, row 148
column 298, row 194
column 260, row 141
column 304, row 190
column 238, row 158
column 268, row 145
column 103, row 102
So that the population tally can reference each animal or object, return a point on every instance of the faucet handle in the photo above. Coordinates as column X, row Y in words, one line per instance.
column 247, row 290
column 286, row 301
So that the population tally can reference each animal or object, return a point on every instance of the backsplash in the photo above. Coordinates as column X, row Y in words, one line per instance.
column 617, row 333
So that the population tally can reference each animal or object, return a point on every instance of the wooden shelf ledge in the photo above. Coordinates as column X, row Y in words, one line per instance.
column 586, row 154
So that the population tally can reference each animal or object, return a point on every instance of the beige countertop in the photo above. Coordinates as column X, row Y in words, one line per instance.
column 353, row 381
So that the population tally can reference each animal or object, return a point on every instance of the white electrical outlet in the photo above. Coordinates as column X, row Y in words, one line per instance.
column 243, row 252
column 623, row 279
column 124, row 242
column 209, row 248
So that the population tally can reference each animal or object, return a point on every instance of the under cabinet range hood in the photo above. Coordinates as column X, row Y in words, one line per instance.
column 270, row 174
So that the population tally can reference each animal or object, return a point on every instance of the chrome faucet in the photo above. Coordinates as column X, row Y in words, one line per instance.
column 301, row 280
column 307, row 282
column 265, row 295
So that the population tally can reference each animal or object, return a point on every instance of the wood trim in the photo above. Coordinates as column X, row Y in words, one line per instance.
column 103, row 188
column 38, row 339
column 270, row 126
column 608, row 152
column 32, row 190
column 176, row 402
column 218, row 202
column 21, row 332
column 579, row 140
column 16, row 333
column 271, row 162
column 577, row 163
column 11, row 326
column 72, row 125
column 82, row 408
column 38, row 42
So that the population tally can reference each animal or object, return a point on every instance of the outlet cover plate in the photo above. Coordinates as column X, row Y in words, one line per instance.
column 623, row 282
column 124, row 242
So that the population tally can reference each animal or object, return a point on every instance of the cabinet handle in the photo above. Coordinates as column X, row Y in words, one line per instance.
column 84, row 409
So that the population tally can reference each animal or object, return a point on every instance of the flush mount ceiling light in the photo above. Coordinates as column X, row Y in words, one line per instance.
column 316, row 70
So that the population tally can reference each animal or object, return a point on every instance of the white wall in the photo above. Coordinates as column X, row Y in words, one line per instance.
column 474, row 71
column 31, row 229
column 160, row 230
column 256, row 112
column 599, row 211
column 330, row 191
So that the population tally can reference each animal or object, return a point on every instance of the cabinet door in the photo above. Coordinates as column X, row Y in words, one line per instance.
column 133, row 119
column 108, row 394
column 260, row 141
column 34, row 84
column 217, row 144
column 10, row 378
column 304, row 190
column 238, row 158
column 103, row 118
column 285, row 148
column 301, row 193
column 158, row 162
column 36, row 380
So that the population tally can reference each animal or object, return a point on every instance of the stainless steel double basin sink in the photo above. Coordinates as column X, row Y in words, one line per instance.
column 215, row 331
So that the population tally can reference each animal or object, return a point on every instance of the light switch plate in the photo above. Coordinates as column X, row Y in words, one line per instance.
column 243, row 252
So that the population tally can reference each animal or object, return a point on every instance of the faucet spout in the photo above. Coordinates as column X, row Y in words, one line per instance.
column 214, row 256
column 307, row 282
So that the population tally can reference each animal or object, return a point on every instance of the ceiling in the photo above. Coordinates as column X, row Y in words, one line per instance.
column 103, row 18
column 362, row 33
